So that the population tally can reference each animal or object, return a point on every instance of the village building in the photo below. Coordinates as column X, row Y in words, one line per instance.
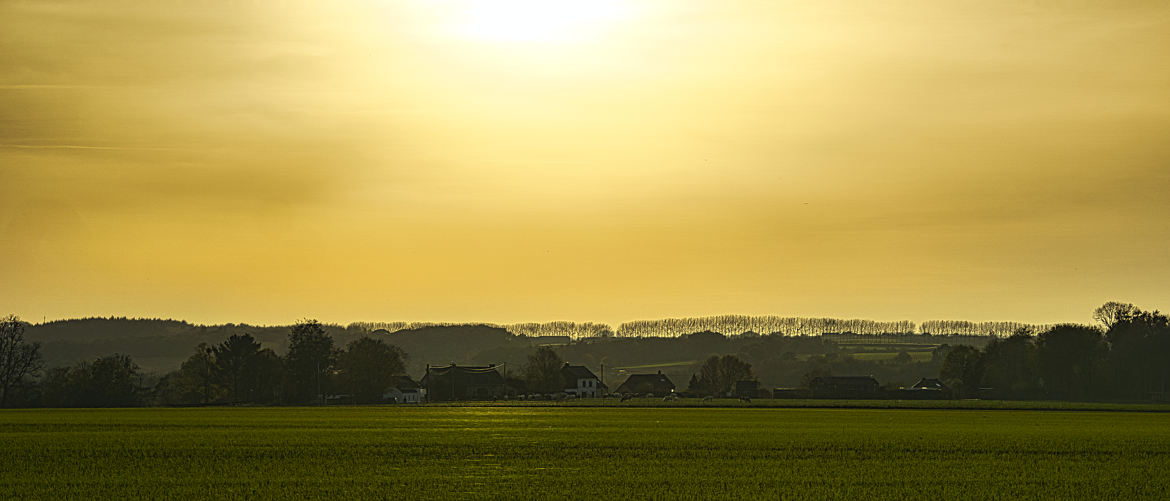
column 653, row 384
column 466, row 382
column 581, row 381
column 404, row 390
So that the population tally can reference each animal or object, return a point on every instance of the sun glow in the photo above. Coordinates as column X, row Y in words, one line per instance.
column 555, row 21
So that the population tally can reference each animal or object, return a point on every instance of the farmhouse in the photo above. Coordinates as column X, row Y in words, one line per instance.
column 844, row 387
column 455, row 382
column 655, row 384
column 404, row 390
column 581, row 381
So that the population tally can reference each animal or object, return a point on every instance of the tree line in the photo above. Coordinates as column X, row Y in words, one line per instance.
column 813, row 326
column 1127, row 357
column 572, row 330
column 732, row 325
column 237, row 370
column 760, row 324
column 968, row 328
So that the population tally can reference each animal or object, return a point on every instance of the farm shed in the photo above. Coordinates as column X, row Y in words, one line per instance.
column 467, row 382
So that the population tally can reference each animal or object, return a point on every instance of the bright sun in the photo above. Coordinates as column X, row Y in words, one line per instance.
column 553, row 21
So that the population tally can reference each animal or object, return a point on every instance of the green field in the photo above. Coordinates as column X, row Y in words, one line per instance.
column 462, row 452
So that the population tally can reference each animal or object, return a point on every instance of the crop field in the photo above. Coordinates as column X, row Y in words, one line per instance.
column 475, row 452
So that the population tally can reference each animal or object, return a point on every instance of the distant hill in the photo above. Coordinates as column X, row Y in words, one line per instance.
column 464, row 344
column 157, row 345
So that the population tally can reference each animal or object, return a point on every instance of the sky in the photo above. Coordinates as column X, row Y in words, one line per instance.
column 516, row 160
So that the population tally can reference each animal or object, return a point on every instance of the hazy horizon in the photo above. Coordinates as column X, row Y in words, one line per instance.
column 605, row 161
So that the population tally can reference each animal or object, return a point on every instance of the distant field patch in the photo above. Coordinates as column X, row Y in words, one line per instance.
column 461, row 452
column 662, row 365
column 888, row 356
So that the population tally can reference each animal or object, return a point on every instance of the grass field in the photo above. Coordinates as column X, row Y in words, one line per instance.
column 559, row 452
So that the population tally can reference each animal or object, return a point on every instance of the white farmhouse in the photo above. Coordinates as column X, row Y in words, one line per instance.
column 404, row 391
column 581, row 381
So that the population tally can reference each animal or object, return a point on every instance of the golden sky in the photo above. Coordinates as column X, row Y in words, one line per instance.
column 515, row 160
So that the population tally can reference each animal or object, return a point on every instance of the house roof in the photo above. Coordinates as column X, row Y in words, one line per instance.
column 657, row 381
column 930, row 383
column 403, row 383
column 575, row 372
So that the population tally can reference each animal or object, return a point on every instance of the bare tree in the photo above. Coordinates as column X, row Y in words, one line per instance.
column 18, row 358
column 1112, row 312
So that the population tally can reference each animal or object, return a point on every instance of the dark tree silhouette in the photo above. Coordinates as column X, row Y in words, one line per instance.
column 695, row 386
column 1109, row 314
column 367, row 368
column 18, row 359
column 961, row 370
column 197, row 380
column 309, row 362
column 542, row 371
column 1009, row 367
column 111, row 381
column 237, row 362
column 1071, row 360
column 717, row 376
column 1140, row 354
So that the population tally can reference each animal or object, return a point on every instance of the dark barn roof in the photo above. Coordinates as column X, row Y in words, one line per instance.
column 575, row 372
column 572, row 373
column 647, row 383
column 404, row 383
